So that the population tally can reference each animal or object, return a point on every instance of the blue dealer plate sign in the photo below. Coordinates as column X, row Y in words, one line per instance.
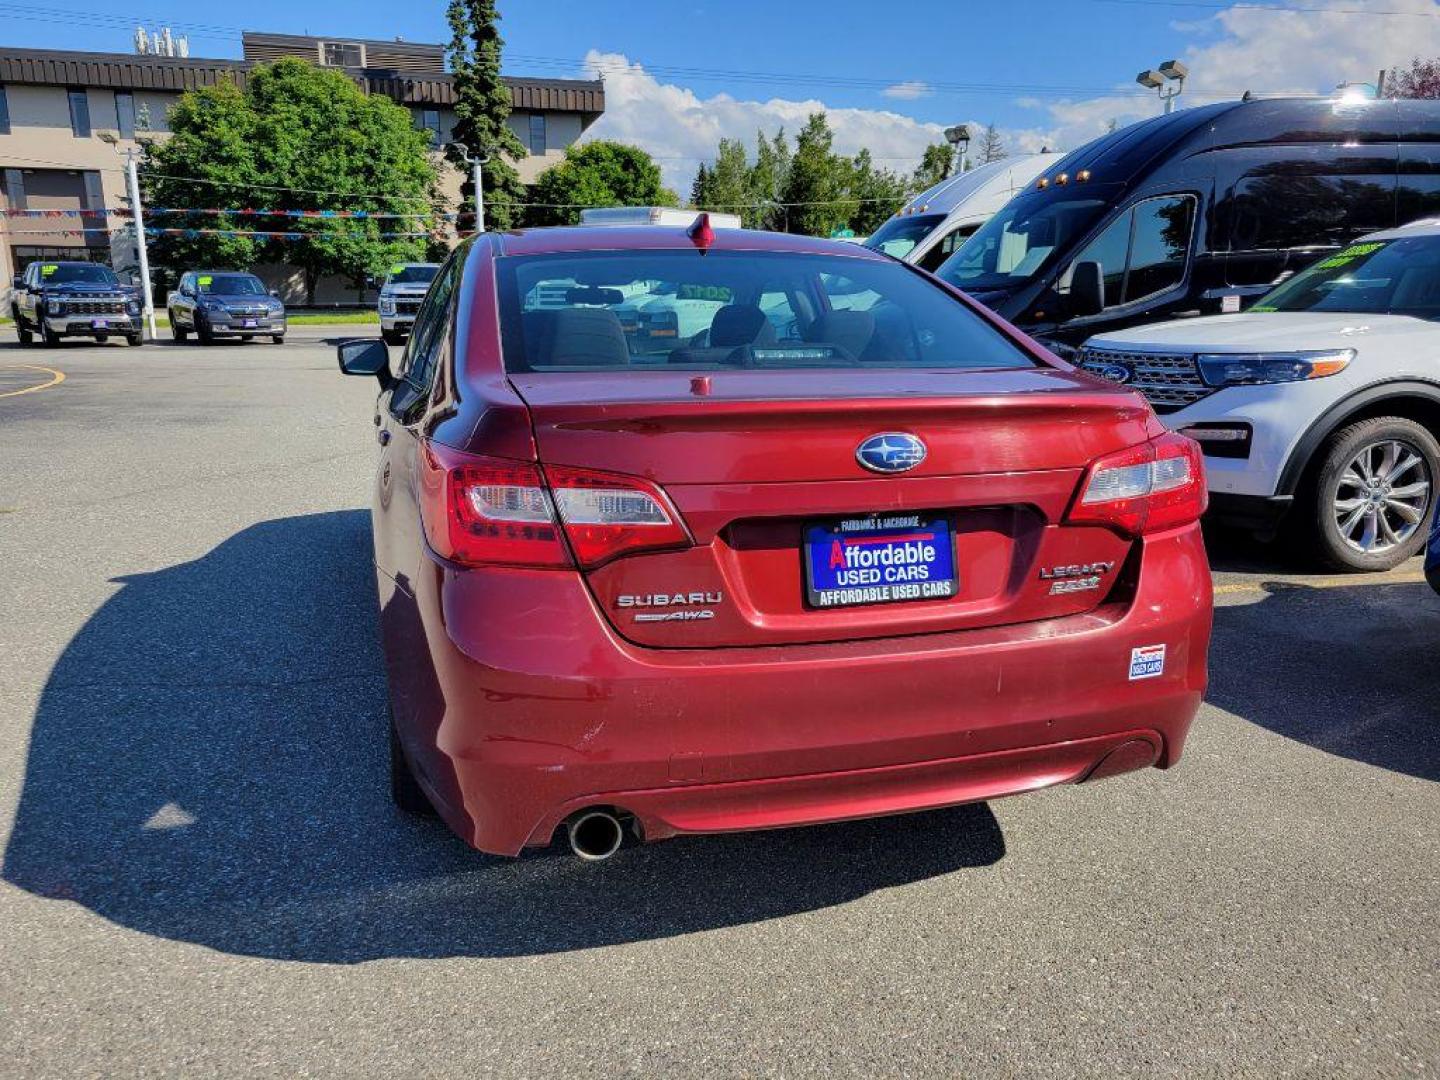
column 879, row 560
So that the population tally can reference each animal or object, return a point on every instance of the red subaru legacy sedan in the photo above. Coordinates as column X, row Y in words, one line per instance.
column 690, row 531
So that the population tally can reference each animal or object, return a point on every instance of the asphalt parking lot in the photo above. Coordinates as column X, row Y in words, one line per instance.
column 202, row 872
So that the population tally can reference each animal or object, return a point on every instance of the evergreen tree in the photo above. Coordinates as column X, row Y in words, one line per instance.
column 700, row 188
column 482, row 106
column 728, row 189
column 878, row 193
column 767, row 181
column 817, row 182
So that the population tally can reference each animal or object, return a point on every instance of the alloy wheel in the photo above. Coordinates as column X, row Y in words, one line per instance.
column 1383, row 496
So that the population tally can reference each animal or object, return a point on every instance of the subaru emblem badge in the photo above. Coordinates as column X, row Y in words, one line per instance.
column 891, row 452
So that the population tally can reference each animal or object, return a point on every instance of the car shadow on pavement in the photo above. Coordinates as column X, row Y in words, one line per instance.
column 1349, row 670
column 208, row 764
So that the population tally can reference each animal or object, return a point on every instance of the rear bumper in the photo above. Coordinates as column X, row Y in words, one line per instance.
column 518, row 706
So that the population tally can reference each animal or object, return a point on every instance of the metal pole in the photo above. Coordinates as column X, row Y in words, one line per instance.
column 132, row 176
column 475, row 164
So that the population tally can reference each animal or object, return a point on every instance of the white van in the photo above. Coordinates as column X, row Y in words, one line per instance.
column 654, row 215
column 927, row 229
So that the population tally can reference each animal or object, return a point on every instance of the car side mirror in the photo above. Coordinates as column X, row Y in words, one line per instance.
column 18, row 281
column 275, row 293
column 185, row 290
column 1087, row 289
column 367, row 356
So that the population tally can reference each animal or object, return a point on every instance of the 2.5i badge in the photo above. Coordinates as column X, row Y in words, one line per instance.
column 1147, row 662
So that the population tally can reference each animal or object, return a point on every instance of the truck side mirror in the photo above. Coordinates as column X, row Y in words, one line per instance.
column 18, row 281
column 366, row 356
column 1087, row 289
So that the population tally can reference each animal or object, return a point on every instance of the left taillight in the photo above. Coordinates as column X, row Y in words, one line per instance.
column 1148, row 488
column 482, row 511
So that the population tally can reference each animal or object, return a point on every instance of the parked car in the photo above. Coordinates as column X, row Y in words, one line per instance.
column 1198, row 212
column 225, row 303
column 889, row 559
column 1320, row 404
column 929, row 228
column 400, row 295
column 57, row 300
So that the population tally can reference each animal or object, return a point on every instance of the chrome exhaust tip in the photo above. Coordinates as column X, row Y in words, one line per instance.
column 595, row 835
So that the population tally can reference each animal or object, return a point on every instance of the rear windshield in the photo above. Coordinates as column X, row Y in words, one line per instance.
column 231, row 284
column 67, row 273
column 725, row 309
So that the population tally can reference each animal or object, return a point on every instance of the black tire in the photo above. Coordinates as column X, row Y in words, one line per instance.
column 21, row 330
column 178, row 332
column 202, row 332
column 392, row 337
column 404, row 791
column 278, row 339
column 1393, row 534
column 133, row 340
column 48, row 337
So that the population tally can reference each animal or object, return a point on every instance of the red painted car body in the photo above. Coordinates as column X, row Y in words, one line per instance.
column 526, row 686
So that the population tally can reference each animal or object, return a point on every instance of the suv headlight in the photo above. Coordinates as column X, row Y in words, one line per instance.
column 387, row 305
column 1249, row 369
column 55, row 307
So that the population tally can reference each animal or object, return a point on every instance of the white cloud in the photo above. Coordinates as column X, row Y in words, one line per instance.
column 908, row 91
column 681, row 129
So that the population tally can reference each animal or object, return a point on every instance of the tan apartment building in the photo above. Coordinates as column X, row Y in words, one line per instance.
column 55, row 106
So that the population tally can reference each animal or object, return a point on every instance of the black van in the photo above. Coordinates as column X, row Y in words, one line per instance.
column 1198, row 212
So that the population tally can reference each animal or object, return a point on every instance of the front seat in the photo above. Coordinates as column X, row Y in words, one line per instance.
column 585, row 337
column 848, row 331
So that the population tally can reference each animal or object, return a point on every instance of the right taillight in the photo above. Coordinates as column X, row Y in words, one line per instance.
column 481, row 511
column 1144, row 489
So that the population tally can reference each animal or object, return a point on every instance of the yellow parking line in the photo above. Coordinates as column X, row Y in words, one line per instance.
column 57, row 377
column 1358, row 580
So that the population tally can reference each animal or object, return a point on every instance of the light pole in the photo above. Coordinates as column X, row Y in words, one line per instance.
column 1168, row 81
column 475, row 177
column 132, row 181
column 958, row 137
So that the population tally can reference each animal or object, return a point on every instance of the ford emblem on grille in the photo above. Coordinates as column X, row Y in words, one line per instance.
column 890, row 452
column 1116, row 373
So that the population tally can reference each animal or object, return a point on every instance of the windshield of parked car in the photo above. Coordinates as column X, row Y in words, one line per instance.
column 84, row 273
column 231, row 284
column 1376, row 277
column 684, row 309
column 1027, row 237
column 412, row 275
column 898, row 236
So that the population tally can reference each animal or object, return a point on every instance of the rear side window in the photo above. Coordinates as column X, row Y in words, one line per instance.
column 725, row 309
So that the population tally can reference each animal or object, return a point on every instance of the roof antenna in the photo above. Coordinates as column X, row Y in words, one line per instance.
column 701, row 233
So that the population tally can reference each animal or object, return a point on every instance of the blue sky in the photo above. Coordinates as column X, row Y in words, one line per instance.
column 680, row 75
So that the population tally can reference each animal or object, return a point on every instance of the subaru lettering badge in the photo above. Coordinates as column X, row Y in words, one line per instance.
column 890, row 452
column 1116, row 373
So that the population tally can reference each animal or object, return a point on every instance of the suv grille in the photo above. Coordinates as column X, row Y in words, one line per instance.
column 1169, row 381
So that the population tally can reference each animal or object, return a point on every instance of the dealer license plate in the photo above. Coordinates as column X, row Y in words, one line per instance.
column 247, row 323
column 880, row 559
column 100, row 324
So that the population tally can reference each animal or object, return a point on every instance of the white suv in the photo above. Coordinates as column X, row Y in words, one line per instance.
column 1320, row 406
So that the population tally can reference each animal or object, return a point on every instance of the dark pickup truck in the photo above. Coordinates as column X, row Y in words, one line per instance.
column 54, row 300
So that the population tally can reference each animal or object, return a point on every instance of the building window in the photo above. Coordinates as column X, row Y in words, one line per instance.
column 94, row 192
column 125, row 114
column 15, row 189
column 80, row 114
column 537, row 133
column 430, row 121
column 342, row 54
column 4, row 113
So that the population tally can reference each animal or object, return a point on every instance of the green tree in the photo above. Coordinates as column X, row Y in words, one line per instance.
column 992, row 146
column 935, row 165
column 597, row 173
column 878, row 193
column 1422, row 80
column 482, row 106
column 726, row 186
column 297, row 137
column 817, row 182
column 767, row 181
